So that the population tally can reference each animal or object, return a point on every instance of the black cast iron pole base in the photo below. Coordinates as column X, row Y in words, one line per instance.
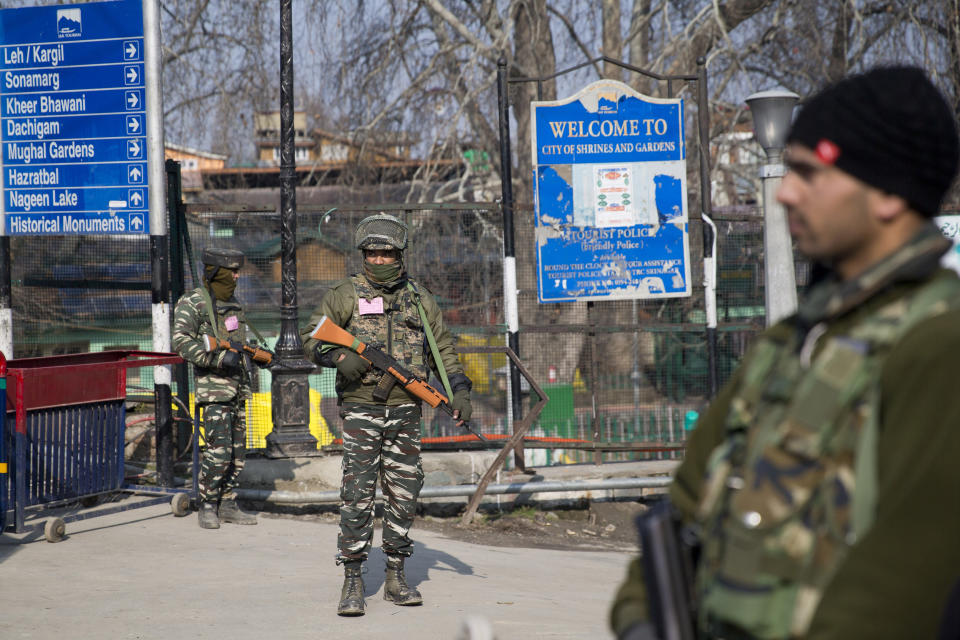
column 290, row 392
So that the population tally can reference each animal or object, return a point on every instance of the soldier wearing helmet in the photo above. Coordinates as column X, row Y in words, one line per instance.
column 383, row 307
column 222, row 385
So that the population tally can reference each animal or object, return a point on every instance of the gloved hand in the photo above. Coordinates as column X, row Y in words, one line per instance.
column 350, row 365
column 229, row 361
column 461, row 402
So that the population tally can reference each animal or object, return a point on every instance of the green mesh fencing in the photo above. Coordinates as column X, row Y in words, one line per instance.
column 616, row 372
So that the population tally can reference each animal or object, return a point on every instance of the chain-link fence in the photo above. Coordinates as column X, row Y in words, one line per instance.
column 637, row 371
column 617, row 373
column 454, row 252
column 72, row 294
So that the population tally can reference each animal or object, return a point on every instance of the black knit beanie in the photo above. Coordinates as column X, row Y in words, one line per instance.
column 889, row 127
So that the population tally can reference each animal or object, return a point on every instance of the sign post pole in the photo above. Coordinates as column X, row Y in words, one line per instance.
column 510, row 307
column 159, row 241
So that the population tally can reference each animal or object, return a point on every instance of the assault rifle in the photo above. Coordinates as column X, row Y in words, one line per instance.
column 261, row 356
column 327, row 331
column 668, row 554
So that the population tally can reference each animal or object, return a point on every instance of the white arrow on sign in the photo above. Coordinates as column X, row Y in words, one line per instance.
column 133, row 124
column 136, row 222
column 135, row 198
column 132, row 99
column 133, row 148
column 131, row 50
column 132, row 75
column 135, row 173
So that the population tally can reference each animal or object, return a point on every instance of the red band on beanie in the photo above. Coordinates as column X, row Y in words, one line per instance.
column 827, row 152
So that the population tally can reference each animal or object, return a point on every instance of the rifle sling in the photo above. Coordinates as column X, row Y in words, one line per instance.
column 246, row 321
column 438, row 361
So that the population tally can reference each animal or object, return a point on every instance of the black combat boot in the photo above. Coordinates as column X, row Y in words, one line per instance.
column 351, row 596
column 396, row 588
column 230, row 512
column 207, row 516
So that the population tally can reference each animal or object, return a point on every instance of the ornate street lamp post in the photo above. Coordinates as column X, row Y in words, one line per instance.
column 772, row 112
column 290, row 389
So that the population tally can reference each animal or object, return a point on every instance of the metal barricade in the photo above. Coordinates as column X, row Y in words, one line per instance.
column 65, row 441
column 4, row 463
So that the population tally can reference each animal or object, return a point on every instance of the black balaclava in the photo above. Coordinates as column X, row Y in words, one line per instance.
column 222, row 282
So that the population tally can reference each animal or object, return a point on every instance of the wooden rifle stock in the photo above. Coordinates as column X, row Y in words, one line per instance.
column 327, row 331
column 260, row 356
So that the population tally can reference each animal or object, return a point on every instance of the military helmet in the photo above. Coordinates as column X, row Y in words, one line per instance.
column 381, row 231
column 227, row 258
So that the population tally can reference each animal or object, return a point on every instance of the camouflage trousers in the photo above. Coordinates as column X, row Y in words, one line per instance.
column 385, row 442
column 225, row 450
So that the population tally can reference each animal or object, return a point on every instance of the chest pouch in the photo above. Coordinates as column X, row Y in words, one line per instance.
column 782, row 502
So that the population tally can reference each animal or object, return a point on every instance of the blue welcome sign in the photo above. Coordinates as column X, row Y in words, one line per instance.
column 610, row 196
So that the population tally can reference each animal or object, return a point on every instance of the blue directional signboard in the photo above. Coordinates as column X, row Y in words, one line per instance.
column 73, row 119
column 610, row 196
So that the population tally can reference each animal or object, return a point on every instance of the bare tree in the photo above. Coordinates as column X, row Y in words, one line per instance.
column 220, row 65
column 431, row 64
column 426, row 70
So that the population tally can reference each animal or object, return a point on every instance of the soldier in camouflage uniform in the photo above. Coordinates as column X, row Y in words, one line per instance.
column 222, row 384
column 381, row 425
column 823, row 478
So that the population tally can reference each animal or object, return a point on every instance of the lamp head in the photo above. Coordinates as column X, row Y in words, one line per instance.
column 772, row 113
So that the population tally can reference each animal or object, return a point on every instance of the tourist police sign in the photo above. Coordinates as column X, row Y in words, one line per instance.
column 610, row 196
column 74, row 119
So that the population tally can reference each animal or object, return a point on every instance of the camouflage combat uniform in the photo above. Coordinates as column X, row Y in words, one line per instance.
column 382, row 438
column 220, row 394
column 824, row 473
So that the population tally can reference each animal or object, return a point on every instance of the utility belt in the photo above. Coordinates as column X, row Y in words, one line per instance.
column 379, row 411
column 380, row 398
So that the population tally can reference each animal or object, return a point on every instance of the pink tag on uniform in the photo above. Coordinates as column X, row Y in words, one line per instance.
column 231, row 323
column 370, row 306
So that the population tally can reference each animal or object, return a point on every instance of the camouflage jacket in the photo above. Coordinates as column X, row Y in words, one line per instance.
column 914, row 519
column 400, row 320
column 191, row 321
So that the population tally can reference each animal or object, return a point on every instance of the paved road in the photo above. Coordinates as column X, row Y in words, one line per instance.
column 143, row 574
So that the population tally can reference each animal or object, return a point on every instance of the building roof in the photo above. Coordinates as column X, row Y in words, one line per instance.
column 194, row 152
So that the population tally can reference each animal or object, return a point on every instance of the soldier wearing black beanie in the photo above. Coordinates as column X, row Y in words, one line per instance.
column 822, row 481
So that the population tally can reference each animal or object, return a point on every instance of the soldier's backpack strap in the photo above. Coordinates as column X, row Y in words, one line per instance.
column 863, row 505
column 431, row 340
column 211, row 311
column 937, row 297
